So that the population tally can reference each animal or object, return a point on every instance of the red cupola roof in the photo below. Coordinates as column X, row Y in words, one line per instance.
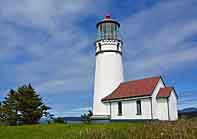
column 108, row 16
column 108, row 19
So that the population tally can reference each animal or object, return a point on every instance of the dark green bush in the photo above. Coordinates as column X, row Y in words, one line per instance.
column 59, row 120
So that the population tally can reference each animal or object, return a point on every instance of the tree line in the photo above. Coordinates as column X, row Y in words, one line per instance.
column 23, row 106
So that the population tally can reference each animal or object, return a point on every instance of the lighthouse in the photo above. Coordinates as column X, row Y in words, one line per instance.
column 109, row 66
column 114, row 99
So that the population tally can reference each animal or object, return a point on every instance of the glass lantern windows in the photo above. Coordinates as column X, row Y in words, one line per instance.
column 108, row 31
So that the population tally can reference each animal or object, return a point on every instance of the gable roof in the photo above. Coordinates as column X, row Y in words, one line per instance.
column 164, row 92
column 136, row 88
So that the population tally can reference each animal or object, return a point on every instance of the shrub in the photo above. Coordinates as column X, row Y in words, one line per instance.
column 59, row 120
column 86, row 117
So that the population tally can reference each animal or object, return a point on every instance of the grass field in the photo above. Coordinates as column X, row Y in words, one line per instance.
column 183, row 129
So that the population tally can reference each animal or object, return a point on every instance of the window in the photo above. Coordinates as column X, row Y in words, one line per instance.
column 139, row 110
column 119, row 108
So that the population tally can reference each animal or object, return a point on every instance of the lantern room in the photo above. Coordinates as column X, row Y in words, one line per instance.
column 108, row 29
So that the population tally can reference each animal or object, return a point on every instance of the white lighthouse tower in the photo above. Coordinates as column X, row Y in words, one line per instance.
column 109, row 67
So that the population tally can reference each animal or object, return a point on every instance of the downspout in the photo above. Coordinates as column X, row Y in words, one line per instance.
column 110, row 109
column 151, row 108
column 168, row 109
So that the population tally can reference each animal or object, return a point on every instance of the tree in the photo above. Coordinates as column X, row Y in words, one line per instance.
column 1, row 114
column 59, row 120
column 8, row 109
column 30, row 105
column 86, row 117
column 23, row 106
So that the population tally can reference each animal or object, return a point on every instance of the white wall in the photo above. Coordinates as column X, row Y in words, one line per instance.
column 108, row 74
column 129, row 109
column 167, row 108
column 156, row 108
column 173, row 106
column 162, row 109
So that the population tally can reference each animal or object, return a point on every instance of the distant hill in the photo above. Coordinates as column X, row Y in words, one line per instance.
column 73, row 119
column 188, row 110
column 66, row 119
column 188, row 113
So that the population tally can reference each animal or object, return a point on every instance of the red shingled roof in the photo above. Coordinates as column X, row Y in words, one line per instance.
column 164, row 92
column 136, row 88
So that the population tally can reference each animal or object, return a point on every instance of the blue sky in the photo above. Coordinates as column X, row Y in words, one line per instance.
column 50, row 44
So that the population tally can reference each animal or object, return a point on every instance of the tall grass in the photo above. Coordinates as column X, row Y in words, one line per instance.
column 182, row 129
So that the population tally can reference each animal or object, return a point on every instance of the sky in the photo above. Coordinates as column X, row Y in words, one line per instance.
column 50, row 44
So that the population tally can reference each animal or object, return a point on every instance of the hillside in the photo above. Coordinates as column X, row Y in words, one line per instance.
column 188, row 113
column 181, row 129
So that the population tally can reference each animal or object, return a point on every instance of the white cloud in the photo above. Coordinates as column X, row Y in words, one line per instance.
column 156, row 42
column 51, row 59
column 62, row 111
column 43, row 42
column 42, row 13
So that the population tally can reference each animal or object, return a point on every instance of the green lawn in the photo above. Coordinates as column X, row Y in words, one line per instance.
column 183, row 129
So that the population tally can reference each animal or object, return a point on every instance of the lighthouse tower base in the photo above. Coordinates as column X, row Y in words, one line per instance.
column 108, row 74
column 100, row 119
